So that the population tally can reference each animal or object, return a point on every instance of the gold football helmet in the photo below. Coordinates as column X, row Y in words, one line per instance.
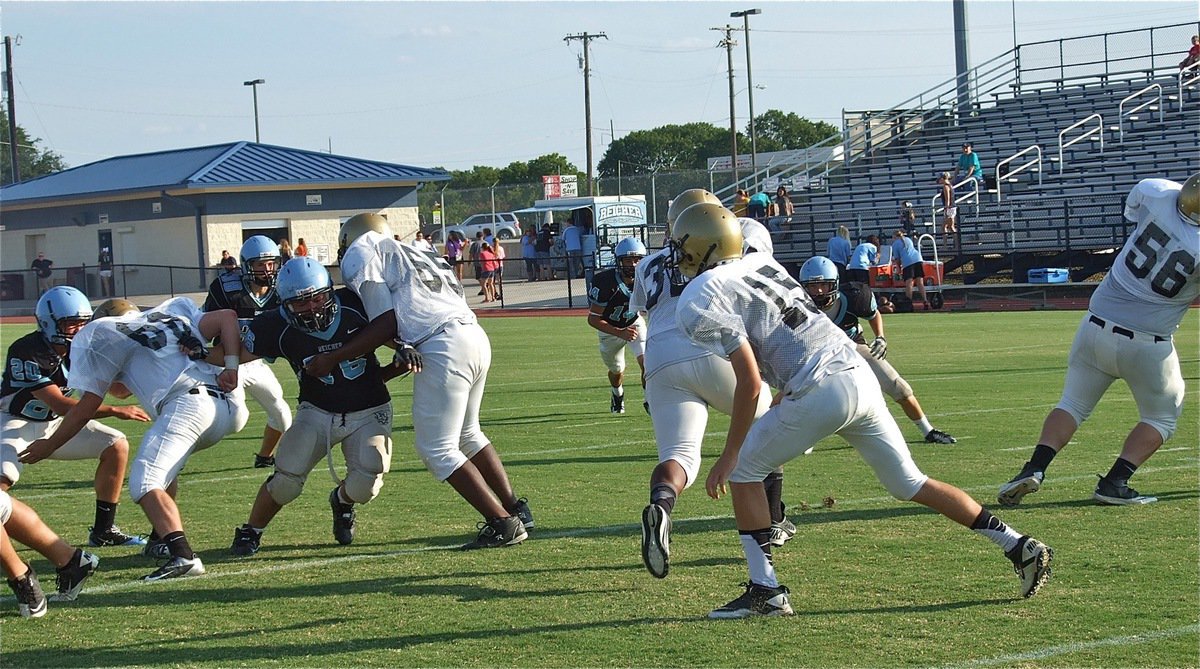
column 358, row 225
column 704, row 235
column 1189, row 199
column 686, row 199
column 114, row 307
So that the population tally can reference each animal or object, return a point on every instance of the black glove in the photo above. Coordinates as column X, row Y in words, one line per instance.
column 879, row 348
column 407, row 359
column 195, row 349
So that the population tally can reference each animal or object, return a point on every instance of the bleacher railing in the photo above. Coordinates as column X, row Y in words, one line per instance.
column 1034, row 164
column 1098, row 131
column 1148, row 105
column 1188, row 77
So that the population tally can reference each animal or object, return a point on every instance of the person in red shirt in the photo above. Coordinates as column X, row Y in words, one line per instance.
column 489, row 264
column 1193, row 53
column 301, row 248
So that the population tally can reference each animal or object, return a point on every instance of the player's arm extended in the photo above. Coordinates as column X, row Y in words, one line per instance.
column 596, row 320
column 72, row 422
column 380, row 331
column 60, row 404
column 745, row 404
column 224, row 324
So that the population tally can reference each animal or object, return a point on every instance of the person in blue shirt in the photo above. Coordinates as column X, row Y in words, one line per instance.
column 912, row 265
column 838, row 250
column 862, row 258
column 757, row 208
column 968, row 164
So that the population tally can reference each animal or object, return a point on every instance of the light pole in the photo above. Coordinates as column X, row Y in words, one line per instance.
column 745, row 16
column 254, row 86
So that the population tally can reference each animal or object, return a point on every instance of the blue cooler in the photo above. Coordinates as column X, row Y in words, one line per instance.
column 1049, row 275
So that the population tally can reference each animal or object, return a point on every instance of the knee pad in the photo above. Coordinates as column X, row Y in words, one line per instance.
column 5, row 507
column 691, row 466
column 362, row 487
column 279, row 414
column 1164, row 424
column 284, row 487
column 10, row 467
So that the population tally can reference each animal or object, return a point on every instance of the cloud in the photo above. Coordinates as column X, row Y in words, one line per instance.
column 431, row 31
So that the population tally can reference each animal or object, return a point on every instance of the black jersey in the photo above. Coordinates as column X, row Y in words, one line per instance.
column 32, row 365
column 355, row 385
column 227, row 291
column 854, row 301
column 611, row 293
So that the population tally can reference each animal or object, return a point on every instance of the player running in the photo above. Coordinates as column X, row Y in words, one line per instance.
column 618, row 325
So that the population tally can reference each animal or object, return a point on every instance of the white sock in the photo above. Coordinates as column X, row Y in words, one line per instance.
column 619, row 391
column 923, row 425
column 758, row 559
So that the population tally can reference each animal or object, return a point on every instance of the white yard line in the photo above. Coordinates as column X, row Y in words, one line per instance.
column 1079, row 646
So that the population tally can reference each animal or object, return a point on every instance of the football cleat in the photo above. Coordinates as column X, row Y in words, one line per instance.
column 263, row 461
column 939, row 437
column 656, row 540
column 758, row 600
column 113, row 536
column 343, row 519
column 782, row 532
column 1028, row 481
column 522, row 511
column 156, row 548
column 497, row 532
column 31, row 601
column 1031, row 561
column 246, row 541
column 70, row 577
column 176, row 567
column 1119, row 493
column 618, row 404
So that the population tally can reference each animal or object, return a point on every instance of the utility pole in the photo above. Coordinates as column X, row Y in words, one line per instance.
column 745, row 16
column 586, row 38
column 728, row 43
column 12, row 111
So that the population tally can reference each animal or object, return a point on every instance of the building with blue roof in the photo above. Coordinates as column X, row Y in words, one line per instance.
column 182, row 208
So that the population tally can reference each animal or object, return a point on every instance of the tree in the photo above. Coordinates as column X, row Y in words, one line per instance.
column 669, row 147
column 34, row 162
column 782, row 131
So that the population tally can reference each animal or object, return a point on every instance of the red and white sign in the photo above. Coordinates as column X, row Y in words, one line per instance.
column 560, row 185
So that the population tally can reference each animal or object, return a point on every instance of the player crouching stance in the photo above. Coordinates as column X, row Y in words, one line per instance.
column 349, row 406
column 73, row 566
column 412, row 293
column 34, row 396
column 617, row 324
column 750, row 309
column 157, row 356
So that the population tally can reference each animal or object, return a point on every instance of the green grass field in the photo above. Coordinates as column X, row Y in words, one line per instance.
column 875, row 582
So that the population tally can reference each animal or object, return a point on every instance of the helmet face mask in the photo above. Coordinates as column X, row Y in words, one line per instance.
column 60, row 312
column 819, row 276
column 705, row 235
column 629, row 252
column 1189, row 200
column 306, row 293
column 260, row 261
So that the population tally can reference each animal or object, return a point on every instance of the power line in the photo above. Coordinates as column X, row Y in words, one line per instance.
column 586, row 38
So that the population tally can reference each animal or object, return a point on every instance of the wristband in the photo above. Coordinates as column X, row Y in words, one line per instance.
column 231, row 362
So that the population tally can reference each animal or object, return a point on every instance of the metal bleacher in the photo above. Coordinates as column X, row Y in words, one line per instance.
column 1123, row 101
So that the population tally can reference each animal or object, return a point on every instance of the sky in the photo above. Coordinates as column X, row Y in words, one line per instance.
column 459, row 84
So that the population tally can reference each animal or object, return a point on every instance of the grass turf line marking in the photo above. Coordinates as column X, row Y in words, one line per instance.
column 1079, row 646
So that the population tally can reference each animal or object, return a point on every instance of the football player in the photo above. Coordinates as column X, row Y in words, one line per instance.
column 749, row 309
column 682, row 381
column 250, row 293
column 351, row 406
column 72, row 565
column 1127, row 334
column 157, row 356
column 34, row 396
column 617, row 324
column 413, row 294
column 845, row 304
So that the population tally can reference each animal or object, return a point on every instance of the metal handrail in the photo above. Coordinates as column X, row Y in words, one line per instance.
column 972, row 196
column 1194, row 70
column 1028, row 165
column 1099, row 129
column 1121, row 113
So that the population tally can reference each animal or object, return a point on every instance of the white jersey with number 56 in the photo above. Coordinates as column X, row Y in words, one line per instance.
column 425, row 293
column 1157, row 274
column 755, row 300
column 139, row 350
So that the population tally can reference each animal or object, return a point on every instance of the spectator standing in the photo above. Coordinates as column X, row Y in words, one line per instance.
column 420, row 242
column 908, row 218
column 473, row 252
column 968, row 164
column 757, row 207
column 949, row 210
column 229, row 265
column 912, row 265
column 573, row 243
column 1193, row 56
column 862, row 258
column 545, row 242
column 740, row 203
column 783, row 203
column 43, row 267
column 454, row 252
column 488, row 263
column 105, row 262
column 501, row 255
column 838, row 250
column 285, row 251
column 529, row 253
column 301, row 248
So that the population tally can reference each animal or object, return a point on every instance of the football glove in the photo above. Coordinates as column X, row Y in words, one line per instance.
column 407, row 359
column 879, row 348
column 193, row 347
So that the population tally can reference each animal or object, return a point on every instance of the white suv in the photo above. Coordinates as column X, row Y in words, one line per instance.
column 503, row 225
